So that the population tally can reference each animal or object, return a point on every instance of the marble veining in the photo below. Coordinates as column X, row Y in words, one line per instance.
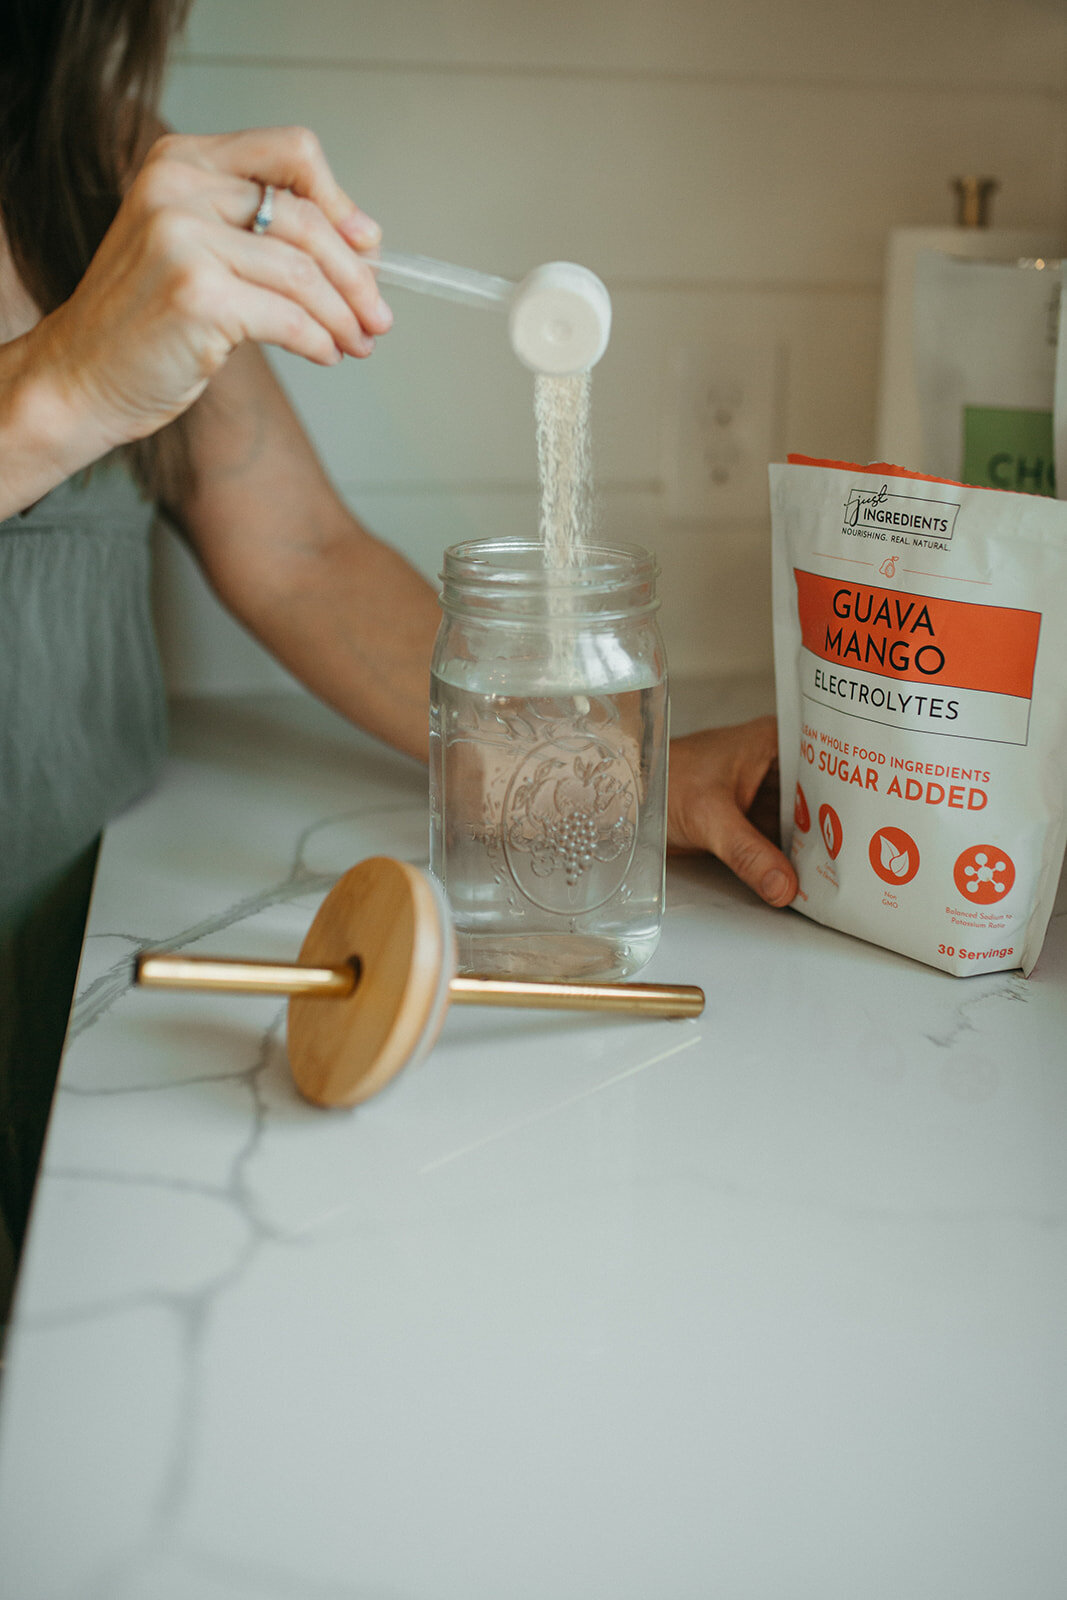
column 765, row 1303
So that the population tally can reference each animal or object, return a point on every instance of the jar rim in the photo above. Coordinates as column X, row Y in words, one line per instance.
column 518, row 565
column 507, row 580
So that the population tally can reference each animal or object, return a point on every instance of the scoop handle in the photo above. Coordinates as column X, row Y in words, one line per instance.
column 440, row 278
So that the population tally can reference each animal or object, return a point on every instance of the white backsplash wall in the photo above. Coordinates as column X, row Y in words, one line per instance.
column 730, row 171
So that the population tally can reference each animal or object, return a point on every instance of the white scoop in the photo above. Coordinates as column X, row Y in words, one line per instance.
column 559, row 316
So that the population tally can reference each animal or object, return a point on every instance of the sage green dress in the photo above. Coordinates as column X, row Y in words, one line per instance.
column 82, row 734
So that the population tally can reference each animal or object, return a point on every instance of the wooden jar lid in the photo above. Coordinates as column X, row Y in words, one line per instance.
column 392, row 921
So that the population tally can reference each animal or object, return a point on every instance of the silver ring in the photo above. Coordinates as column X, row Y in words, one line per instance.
column 265, row 215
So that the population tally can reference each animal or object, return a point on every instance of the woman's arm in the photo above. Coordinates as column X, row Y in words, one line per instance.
column 343, row 611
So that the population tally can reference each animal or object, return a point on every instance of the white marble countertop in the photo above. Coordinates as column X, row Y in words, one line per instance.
column 769, row 1306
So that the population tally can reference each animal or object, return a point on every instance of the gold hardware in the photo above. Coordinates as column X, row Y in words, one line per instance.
column 973, row 200
column 243, row 977
column 162, row 971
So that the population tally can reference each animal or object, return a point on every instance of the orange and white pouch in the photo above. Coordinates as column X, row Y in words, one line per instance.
column 920, row 632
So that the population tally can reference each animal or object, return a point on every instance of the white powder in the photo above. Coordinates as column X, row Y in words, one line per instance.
column 564, row 465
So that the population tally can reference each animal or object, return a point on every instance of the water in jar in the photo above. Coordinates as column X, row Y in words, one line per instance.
column 547, row 827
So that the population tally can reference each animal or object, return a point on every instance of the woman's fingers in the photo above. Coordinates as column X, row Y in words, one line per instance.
column 748, row 853
column 716, row 785
column 269, row 318
column 290, row 158
column 285, row 157
column 300, row 224
column 285, row 270
column 225, row 175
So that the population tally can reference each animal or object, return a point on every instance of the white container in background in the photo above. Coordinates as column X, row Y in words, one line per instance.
column 899, row 430
column 985, row 368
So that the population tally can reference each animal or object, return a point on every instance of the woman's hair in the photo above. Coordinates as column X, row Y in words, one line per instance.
column 79, row 83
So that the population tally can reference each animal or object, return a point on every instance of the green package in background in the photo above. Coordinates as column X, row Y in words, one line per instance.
column 1008, row 449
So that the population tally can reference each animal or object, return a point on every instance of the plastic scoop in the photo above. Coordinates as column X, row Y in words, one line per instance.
column 559, row 316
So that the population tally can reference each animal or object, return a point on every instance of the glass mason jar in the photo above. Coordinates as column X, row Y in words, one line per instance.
column 548, row 759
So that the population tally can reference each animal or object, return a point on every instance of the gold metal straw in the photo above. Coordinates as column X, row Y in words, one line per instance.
column 650, row 999
column 291, row 978
column 244, row 977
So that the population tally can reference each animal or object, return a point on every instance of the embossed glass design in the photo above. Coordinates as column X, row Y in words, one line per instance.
column 548, row 740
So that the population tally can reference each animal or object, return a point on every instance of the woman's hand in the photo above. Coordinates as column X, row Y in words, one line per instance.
column 722, row 792
column 179, row 279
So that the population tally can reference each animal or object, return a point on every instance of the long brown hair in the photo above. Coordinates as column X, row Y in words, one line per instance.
column 79, row 83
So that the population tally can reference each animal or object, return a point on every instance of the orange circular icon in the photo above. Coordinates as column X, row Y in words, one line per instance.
column 984, row 874
column 894, row 855
column 832, row 832
column 801, row 814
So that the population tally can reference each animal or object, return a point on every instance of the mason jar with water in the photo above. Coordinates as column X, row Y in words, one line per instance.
column 548, row 765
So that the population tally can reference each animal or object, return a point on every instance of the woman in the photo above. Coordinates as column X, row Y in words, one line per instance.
column 138, row 275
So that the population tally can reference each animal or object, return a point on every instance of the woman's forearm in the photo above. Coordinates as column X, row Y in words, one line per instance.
column 356, row 624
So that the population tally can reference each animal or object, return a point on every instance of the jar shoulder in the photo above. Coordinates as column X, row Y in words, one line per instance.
column 511, row 659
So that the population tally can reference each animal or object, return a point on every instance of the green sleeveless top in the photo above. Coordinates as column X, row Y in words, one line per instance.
column 82, row 726
column 82, row 734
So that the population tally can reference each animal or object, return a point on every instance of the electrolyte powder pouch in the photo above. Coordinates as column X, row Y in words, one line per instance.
column 920, row 634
